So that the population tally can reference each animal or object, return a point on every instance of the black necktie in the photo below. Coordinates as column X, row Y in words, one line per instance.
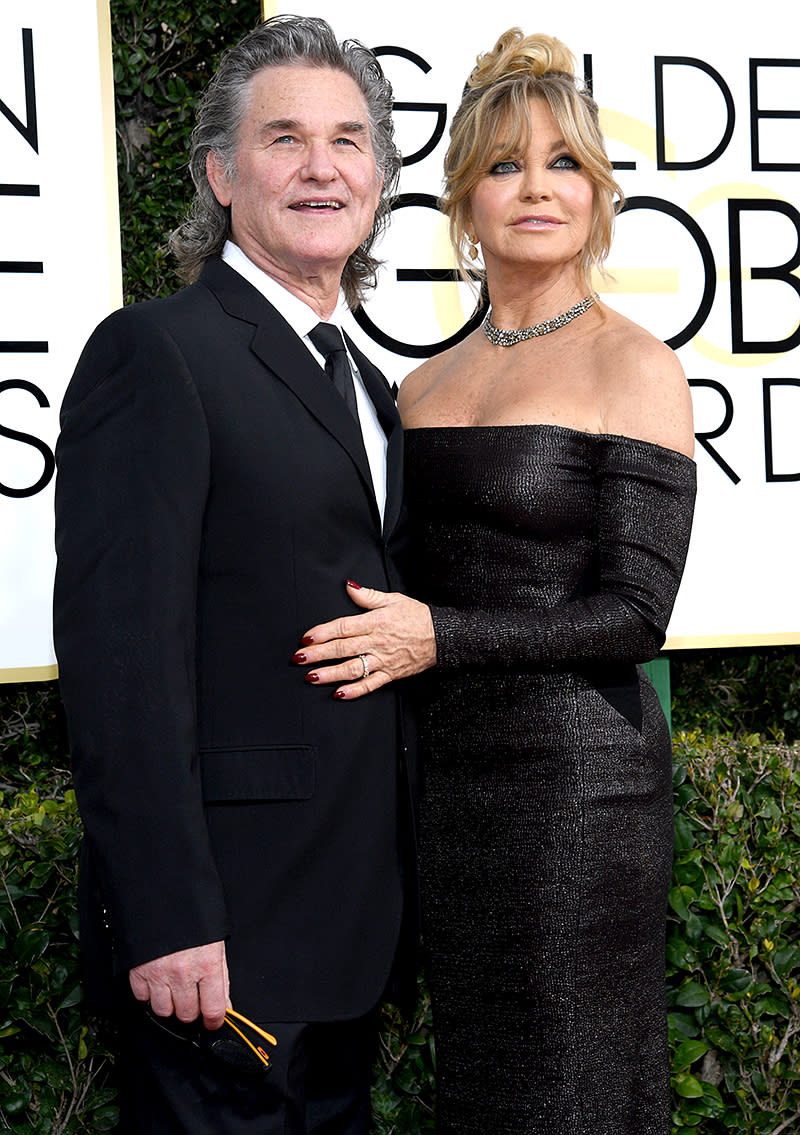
column 328, row 340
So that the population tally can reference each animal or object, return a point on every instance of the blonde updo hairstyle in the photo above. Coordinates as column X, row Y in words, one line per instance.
column 494, row 108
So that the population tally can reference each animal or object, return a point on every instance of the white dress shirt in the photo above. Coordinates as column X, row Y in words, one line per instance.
column 302, row 319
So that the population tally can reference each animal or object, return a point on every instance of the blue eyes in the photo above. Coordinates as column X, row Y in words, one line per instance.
column 289, row 138
column 505, row 167
column 565, row 161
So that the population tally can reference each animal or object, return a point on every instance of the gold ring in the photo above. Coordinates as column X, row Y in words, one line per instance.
column 365, row 664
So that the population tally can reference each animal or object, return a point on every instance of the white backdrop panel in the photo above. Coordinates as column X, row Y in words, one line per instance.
column 59, row 275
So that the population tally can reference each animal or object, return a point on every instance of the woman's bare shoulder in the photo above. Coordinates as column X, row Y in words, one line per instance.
column 644, row 388
column 426, row 378
column 415, row 385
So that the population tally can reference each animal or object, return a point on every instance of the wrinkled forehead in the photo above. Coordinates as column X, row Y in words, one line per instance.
column 305, row 88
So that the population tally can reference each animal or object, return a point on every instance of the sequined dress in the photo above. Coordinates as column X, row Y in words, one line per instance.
column 551, row 559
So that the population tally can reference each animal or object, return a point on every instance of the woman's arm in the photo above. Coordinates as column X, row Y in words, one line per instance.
column 645, row 506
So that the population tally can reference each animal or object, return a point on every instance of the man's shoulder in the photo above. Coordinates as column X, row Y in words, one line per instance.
column 151, row 339
column 196, row 314
column 163, row 310
column 219, row 292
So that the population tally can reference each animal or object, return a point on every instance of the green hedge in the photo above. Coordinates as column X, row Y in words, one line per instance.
column 54, row 1075
column 733, row 951
column 738, row 691
column 54, row 1072
column 734, row 947
column 165, row 51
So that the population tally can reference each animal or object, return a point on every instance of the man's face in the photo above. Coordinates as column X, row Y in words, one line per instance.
column 306, row 187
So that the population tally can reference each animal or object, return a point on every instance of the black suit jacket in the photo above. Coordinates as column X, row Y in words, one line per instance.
column 213, row 496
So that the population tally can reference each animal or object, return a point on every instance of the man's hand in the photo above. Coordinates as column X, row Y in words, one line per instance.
column 188, row 983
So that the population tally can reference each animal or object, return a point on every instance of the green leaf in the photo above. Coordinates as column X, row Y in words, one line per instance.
column 691, row 995
column 679, row 898
column 74, row 997
column 105, row 1119
column 736, row 981
column 687, row 1053
column 31, row 944
column 771, row 1006
column 687, row 1086
column 716, row 934
column 786, row 960
column 682, row 1024
column 719, row 1038
column 711, row 1106
column 694, row 927
column 680, row 954
column 684, row 834
column 15, row 1103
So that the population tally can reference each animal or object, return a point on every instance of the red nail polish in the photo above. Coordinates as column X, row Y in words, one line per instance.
column 306, row 640
column 352, row 583
column 340, row 694
column 311, row 677
column 298, row 657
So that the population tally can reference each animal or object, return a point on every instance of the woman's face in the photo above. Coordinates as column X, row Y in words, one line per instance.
column 534, row 209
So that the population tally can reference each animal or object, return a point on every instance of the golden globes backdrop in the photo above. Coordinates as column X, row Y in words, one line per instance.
column 59, row 275
column 702, row 118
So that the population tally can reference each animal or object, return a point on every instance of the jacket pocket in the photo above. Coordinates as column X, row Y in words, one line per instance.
column 269, row 772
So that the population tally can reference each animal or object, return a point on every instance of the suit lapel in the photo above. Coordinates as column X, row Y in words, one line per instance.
column 282, row 352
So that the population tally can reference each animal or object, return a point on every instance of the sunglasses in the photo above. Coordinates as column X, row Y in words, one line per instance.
column 239, row 1048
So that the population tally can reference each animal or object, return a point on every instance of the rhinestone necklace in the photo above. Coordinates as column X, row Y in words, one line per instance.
column 509, row 338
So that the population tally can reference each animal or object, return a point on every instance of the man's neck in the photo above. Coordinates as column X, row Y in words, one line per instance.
column 295, row 308
column 317, row 286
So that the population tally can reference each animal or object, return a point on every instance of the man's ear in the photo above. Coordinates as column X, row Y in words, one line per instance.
column 218, row 178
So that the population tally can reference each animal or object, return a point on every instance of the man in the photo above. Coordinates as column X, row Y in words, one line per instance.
column 216, row 489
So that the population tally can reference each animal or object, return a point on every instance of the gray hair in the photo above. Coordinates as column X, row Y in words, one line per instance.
column 281, row 40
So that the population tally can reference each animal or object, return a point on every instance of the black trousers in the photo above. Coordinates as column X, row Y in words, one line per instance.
column 318, row 1082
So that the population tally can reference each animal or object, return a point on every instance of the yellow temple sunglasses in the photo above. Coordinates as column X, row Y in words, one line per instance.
column 240, row 1048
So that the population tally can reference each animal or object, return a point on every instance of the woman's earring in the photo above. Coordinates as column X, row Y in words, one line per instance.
column 473, row 247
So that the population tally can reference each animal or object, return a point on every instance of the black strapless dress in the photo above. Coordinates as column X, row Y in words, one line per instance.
column 551, row 559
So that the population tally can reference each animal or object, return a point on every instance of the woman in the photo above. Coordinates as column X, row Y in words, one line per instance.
column 551, row 486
